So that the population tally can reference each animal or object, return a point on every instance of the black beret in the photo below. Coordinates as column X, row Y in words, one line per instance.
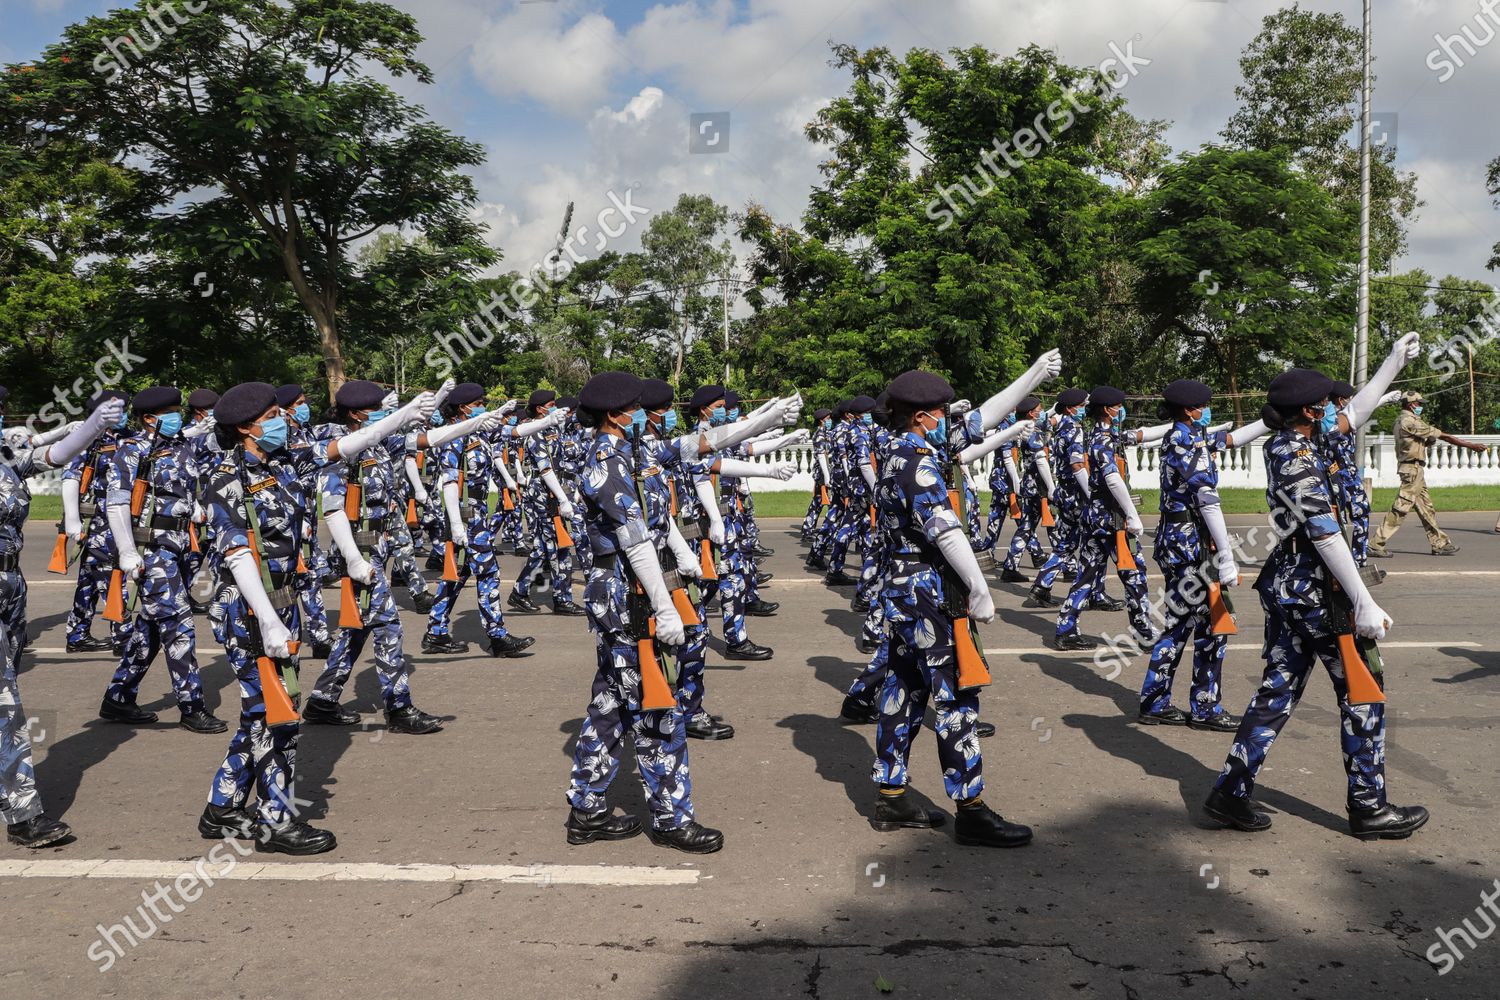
column 245, row 402
column 464, row 393
column 288, row 394
column 656, row 394
column 860, row 404
column 1027, row 405
column 1298, row 387
column 1106, row 395
column 105, row 395
column 610, row 391
column 822, row 412
column 4, row 393
column 158, row 397
column 568, row 402
column 1343, row 390
column 540, row 397
column 704, row 395
column 1071, row 397
column 922, row 390
column 731, row 399
column 202, row 399
column 359, row 395
column 1187, row 392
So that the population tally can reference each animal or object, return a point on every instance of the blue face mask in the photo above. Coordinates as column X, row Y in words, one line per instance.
column 169, row 424
column 120, row 424
column 513, row 421
column 302, row 412
column 717, row 416
column 1417, row 410
column 867, row 418
column 478, row 411
column 272, row 436
column 375, row 416
column 436, row 419
column 1330, row 419
column 827, row 422
column 734, row 414
column 669, row 421
column 638, row 423
column 1119, row 420
column 1205, row 418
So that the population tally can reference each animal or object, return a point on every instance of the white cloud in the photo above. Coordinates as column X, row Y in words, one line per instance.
column 535, row 51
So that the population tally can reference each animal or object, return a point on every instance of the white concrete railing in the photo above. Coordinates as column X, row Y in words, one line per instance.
column 1239, row 468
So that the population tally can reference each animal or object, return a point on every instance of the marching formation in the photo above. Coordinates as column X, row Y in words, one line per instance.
column 632, row 512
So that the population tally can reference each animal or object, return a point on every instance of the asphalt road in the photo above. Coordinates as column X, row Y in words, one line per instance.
column 1125, row 892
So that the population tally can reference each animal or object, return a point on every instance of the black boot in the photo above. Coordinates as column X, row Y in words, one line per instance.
column 509, row 645
column 567, row 608
column 1387, row 823
column 585, row 828
column 761, row 579
column 895, row 812
column 422, row 602
column 412, row 721
column 1040, row 597
column 984, row 730
column 979, row 825
column 197, row 607
column 38, row 831
column 816, row 562
column 1067, row 576
column 1236, row 812
column 860, row 606
column 319, row 650
column 89, row 644
column 859, row 712
column 520, row 602
column 1169, row 716
column 1008, row 575
column 703, row 727
column 198, row 719
column 761, row 609
column 294, row 838
column 1106, row 603
column 435, row 562
column 867, row 646
column 838, row 578
column 761, row 552
column 126, row 712
column 222, row 822
column 1073, row 640
column 691, row 837
column 747, row 650
column 1224, row 722
column 321, row 712
column 443, row 644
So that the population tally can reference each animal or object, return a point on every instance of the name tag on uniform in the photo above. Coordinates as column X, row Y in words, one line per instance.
column 369, row 463
column 266, row 483
column 654, row 470
column 107, row 449
column 1333, row 468
column 473, row 445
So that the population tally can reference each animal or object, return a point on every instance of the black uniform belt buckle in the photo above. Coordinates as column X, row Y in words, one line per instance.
column 282, row 597
column 165, row 522
column 1371, row 575
column 691, row 531
column 1177, row 517
column 87, row 510
column 673, row 579
column 607, row 561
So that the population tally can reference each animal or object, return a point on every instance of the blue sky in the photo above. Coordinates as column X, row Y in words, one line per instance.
column 583, row 100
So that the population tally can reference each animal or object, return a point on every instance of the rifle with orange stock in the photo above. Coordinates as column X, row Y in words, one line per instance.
column 354, row 598
column 1124, row 554
column 278, row 677
column 61, row 561
column 142, row 506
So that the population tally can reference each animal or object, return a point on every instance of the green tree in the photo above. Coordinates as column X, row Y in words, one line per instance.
column 275, row 113
column 680, row 256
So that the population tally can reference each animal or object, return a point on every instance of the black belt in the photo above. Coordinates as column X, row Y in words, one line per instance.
column 1413, row 461
column 9, row 562
column 164, row 522
column 1178, row 517
column 609, row 561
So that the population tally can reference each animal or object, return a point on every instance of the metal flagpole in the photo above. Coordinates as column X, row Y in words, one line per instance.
column 1362, row 325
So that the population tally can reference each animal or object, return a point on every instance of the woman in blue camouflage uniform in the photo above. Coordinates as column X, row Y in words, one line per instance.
column 1036, row 485
column 465, row 448
column 1192, row 537
column 1069, row 452
column 544, row 498
column 624, row 557
column 371, row 462
column 258, row 507
column 20, row 804
column 158, row 456
column 931, row 558
column 84, row 521
column 822, row 422
column 1295, row 590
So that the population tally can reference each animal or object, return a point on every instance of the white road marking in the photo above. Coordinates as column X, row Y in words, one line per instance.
column 1234, row 646
column 259, row 871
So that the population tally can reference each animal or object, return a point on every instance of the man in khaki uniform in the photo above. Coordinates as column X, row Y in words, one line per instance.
column 1413, row 436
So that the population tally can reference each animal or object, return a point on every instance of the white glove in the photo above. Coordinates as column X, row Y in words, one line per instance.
column 456, row 531
column 687, row 561
column 1213, row 520
column 274, row 636
column 1153, row 434
column 442, row 393
column 1122, row 497
column 391, row 401
column 72, row 521
column 1363, row 405
column 865, row 472
column 414, row 477
column 705, row 492
column 1394, row 396
column 357, row 566
column 774, row 413
column 202, row 427
column 565, row 510
column 716, row 529
column 777, row 443
column 1004, row 402
column 669, row 628
column 975, row 452
column 526, row 428
column 81, row 436
column 1229, row 572
column 1370, row 621
column 506, row 408
column 350, row 445
column 200, row 513
column 121, row 529
column 1044, row 473
column 1081, row 477
column 439, row 436
column 736, row 468
column 55, row 434
column 1241, row 436
column 955, row 548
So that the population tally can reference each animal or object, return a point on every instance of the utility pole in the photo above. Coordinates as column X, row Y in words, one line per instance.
column 725, row 287
column 1362, row 324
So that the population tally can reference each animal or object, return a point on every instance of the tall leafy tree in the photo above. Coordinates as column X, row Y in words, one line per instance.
column 274, row 112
